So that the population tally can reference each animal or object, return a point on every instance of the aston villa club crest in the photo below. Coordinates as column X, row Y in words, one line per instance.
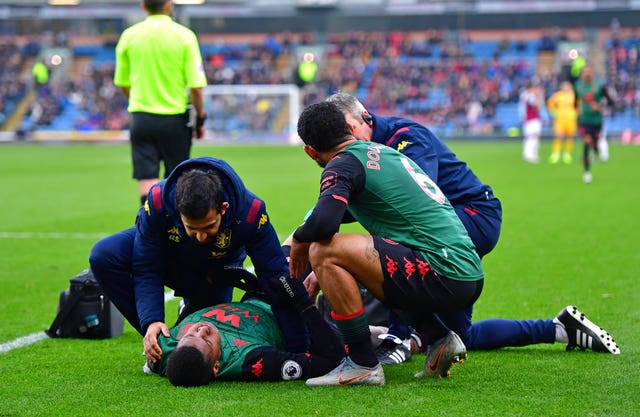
column 223, row 239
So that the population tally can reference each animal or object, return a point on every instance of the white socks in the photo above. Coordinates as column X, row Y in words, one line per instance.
column 561, row 332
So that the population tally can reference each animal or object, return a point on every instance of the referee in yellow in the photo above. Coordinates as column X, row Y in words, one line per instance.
column 157, row 61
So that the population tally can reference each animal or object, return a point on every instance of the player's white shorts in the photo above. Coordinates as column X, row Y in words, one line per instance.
column 532, row 127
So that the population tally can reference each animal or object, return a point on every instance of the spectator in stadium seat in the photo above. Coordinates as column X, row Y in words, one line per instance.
column 157, row 60
column 416, row 249
column 481, row 214
column 194, row 226
column 241, row 341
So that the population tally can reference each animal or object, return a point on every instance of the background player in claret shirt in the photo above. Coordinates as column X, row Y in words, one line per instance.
column 241, row 341
column 591, row 95
column 530, row 109
column 195, row 225
column 562, row 107
column 418, row 257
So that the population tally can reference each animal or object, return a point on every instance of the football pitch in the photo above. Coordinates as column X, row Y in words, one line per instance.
column 562, row 243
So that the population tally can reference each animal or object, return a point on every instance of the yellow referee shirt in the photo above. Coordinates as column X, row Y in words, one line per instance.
column 159, row 60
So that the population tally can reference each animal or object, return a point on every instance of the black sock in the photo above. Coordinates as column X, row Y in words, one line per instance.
column 586, row 157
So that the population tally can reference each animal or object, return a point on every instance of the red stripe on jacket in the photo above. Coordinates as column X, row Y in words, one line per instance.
column 253, row 211
column 392, row 138
column 156, row 196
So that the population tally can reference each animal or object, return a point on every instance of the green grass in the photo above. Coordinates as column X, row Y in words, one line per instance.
column 563, row 242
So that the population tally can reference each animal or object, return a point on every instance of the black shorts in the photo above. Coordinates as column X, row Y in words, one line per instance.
column 156, row 138
column 411, row 284
column 590, row 129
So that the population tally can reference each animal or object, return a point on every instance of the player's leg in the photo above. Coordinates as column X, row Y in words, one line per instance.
column 567, row 157
column 483, row 222
column 529, row 142
column 174, row 141
column 587, row 140
column 537, row 131
column 111, row 264
column 570, row 326
column 412, row 285
column 498, row 333
column 556, row 145
column 603, row 143
column 340, row 264
column 443, row 351
column 571, row 129
column 144, row 153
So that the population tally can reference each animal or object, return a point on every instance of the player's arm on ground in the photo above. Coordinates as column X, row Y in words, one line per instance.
column 326, row 351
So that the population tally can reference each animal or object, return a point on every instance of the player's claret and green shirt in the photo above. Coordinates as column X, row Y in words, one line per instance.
column 243, row 327
column 590, row 96
column 252, row 346
column 159, row 59
column 391, row 197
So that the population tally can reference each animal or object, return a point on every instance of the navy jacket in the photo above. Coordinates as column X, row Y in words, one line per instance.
column 163, row 254
column 456, row 180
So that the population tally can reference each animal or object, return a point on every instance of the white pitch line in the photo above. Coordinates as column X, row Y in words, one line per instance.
column 35, row 337
column 22, row 341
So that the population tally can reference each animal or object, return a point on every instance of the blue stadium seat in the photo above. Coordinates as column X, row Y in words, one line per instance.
column 507, row 115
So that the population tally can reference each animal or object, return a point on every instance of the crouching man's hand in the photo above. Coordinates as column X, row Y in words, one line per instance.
column 151, row 347
column 283, row 291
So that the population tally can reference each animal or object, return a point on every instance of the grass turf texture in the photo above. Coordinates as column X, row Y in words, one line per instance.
column 563, row 242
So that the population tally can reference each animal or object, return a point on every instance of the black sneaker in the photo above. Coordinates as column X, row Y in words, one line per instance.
column 392, row 350
column 584, row 334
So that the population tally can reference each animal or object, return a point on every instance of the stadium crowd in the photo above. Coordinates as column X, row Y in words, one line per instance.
column 452, row 83
column 623, row 67
column 12, row 85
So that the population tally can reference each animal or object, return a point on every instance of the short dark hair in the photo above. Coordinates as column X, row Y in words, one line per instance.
column 188, row 367
column 154, row 6
column 323, row 126
column 197, row 192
